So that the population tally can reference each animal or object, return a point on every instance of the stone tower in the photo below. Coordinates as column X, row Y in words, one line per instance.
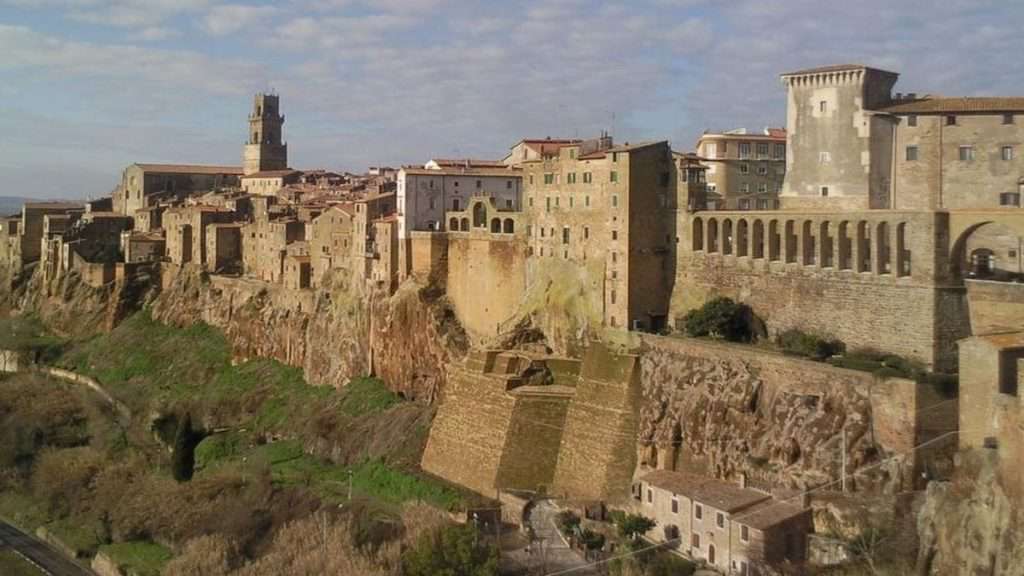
column 840, row 153
column 264, row 149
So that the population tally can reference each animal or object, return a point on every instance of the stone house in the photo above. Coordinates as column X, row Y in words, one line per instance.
column 267, row 183
column 736, row 530
column 143, row 185
column 265, row 244
column 330, row 241
column 384, row 269
column 296, row 272
column 608, row 212
column 367, row 210
column 143, row 247
column 745, row 171
column 186, row 228
column 538, row 149
column 224, row 247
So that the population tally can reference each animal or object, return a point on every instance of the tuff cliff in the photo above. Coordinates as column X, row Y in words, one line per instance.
column 972, row 525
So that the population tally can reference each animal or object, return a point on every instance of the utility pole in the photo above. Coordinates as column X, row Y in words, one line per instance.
column 844, row 460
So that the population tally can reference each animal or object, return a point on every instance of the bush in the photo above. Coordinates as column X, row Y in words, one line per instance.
column 720, row 318
column 633, row 525
column 591, row 540
column 567, row 522
column 451, row 550
column 812, row 346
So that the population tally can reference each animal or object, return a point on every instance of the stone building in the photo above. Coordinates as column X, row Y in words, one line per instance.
column 606, row 211
column 384, row 267
column 540, row 148
column 269, row 182
column 745, row 170
column 264, row 150
column 736, row 530
column 145, row 185
column 330, row 241
column 186, row 228
column 224, row 247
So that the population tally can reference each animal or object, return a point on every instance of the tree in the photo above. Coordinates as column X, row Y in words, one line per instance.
column 633, row 525
column 567, row 522
column 720, row 318
column 591, row 540
column 451, row 551
column 183, row 458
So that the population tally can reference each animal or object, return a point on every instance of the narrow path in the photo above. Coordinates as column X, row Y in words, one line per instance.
column 46, row 558
column 549, row 553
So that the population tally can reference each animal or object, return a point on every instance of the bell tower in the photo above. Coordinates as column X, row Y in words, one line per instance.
column 264, row 149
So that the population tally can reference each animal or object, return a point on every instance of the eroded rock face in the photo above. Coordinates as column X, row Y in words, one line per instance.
column 334, row 334
column 972, row 525
column 721, row 414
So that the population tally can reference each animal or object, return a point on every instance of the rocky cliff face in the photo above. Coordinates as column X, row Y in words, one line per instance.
column 334, row 334
column 718, row 413
column 972, row 525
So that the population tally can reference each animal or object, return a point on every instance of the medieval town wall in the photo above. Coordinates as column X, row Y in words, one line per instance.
column 486, row 279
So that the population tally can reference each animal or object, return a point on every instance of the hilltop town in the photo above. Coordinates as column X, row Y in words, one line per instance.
column 542, row 300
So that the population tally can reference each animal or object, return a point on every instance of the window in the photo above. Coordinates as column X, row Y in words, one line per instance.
column 572, row 153
column 1009, row 199
column 720, row 520
column 762, row 150
column 823, row 106
column 744, row 150
column 744, row 534
column 531, row 178
column 548, row 202
column 508, row 203
column 549, row 178
column 587, row 177
column 543, row 231
column 570, row 178
column 650, row 493
column 911, row 153
column 1007, row 152
column 744, row 168
column 586, row 232
column 565, row 234
column 951, row 120
column 762, row 188
column 698, row 511
column 966, row 153
column 762, row 204
column 744, row 204
column 586, row 201
column 780, row 151
column 695, row 541
column 824, row 157
column 615, row 234
column 912, row 120
column 455, row 204
column 530, row 201
column 824, row 191
column 571, row 203
column 557, row 201
column 745, row 188
column 508, row 184
column 613, row 176
column 1007, row 118
column 615, row 199
column 479, row 184
column 529, row 230
column 615, row 257
column 613, row 297
column 762, row 169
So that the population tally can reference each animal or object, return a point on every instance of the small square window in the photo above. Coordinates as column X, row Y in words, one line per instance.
column 951, row 120
column 744, row 168
column 613, row 176
column 912, row 120
column 1009, row 199
column 1006, row 152
column 1007, row 118
column 823, row 106
column 966, row 153
column 911, row 153
column 824, row 191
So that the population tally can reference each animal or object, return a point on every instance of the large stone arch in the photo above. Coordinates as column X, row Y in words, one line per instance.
column 989, row 250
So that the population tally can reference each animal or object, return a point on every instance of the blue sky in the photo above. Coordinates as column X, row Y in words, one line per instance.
column 89, row 86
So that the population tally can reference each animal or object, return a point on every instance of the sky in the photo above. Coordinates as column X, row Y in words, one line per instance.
column 89, row 86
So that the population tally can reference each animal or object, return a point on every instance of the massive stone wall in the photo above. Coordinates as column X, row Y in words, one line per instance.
column 486, row 279
column 726, row 411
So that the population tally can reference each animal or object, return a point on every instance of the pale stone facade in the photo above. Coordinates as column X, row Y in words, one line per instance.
column 145, row 185
column 264, row 149
column 744, row 171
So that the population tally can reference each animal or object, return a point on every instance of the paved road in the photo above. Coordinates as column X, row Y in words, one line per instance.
column 45, row 557
column 548, row 550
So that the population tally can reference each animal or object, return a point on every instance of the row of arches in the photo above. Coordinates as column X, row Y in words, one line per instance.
column 861, row 246
column 498, row 226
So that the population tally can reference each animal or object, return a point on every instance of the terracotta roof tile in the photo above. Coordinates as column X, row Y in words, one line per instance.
column 715, row 493
column 767, row 514
column 956, row 105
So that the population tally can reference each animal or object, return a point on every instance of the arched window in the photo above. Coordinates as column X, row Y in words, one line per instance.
column 862, row 252
column 845, row 246
column 824, row 236
column 774, row 241
column 742, row 239
column 807, row 234
column 496, row 225
column 712, row 235
column 758, row 239
column 479, row 215
column 509, row 226
column 453, row 225
column 464, row 225
column 902, row 254
column 727, row 239
column 882, row 246
column 790, row 241
column 698, row 234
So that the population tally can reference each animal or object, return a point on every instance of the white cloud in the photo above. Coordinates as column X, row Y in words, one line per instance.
column 230, row 18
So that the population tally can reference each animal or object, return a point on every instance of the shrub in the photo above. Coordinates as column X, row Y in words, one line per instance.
column 720, row 318
column 451, row 550
column 801, row 343
column 633, row 525
column 591, row 540
column 567, row 522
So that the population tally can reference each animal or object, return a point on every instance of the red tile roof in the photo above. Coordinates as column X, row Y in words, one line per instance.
column 271, row 174
column 956, row 105
column 769, row 513
column 190, row 169
column 471, row 162
column 715, row 493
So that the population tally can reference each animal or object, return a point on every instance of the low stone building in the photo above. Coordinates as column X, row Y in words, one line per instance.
column 736, row 530
column 186, row 228
column 267, row 183
column 143, row 247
